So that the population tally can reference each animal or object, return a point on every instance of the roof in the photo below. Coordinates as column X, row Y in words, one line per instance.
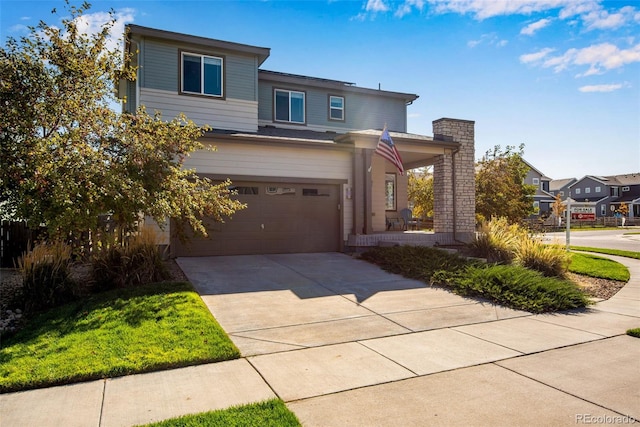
column 614, row 180
column 558, row 184
column 261, row 52
column 338, row 85
column 542, row 176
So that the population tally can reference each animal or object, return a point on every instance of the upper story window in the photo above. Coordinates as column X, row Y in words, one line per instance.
column 598, row 189
column 536, row 181
column 289, row 106
column 625, row 188
column 587, row 190
column 577, row 191
column 336, row 107
column 202, row 74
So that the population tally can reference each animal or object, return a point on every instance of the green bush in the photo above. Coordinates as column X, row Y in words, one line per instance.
column 136, row 262
column 46, row 276
column 516, row 287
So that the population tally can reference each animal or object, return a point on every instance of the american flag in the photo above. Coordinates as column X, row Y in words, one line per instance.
column 387, row 149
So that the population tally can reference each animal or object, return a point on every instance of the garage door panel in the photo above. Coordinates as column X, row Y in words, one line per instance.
column 280, row 218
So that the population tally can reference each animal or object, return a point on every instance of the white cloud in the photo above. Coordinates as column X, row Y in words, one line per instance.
column 406, row 7
column 536, row 56
column 530, row 29
column 600, row 58
column 600, row 88
column 92, row 23
column 490, row 38
column 376, row 6
column 483, row 9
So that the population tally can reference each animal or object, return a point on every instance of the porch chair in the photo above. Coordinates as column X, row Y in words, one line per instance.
column 407, row 217
column 392, row 223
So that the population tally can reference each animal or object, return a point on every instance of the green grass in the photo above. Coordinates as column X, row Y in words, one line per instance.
column 595, row 266
column 270, row 413
column 509, row 285
column 635, row 332
column 618, row 252
column 115, row 333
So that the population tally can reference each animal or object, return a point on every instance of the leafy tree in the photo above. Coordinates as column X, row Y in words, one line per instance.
column 500, row 187
column 67, row 157
column 558, row 208
column 421, row 192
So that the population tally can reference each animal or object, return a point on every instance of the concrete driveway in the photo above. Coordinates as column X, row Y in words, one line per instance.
column 273, row 303
column 345, row 343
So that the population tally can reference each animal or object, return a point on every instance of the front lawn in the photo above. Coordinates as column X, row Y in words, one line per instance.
column 120, row 332
column 509, row 285
column 270, row 413
column 595, row 266
column 618, row 252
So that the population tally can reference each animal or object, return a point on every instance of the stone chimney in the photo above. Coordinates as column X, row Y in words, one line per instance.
column 454, row 187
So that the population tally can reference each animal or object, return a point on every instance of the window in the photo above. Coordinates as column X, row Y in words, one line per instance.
column 390, row 192
column 562, row 193
column 598, row 189
column 615, row 191
column 603, row 209
column 587, row 190
column 202, row 74
column 289, row 106
column 625, row 188
column 536, row 181
column 536, row 205
column 577, row 191
column 336, row 108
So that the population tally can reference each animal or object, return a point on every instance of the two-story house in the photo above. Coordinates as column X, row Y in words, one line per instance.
column 542, row 199
column 561, row 187
column 608, row 192
column 299, row 150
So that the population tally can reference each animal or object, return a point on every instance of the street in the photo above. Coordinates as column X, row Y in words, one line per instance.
column 610, row 239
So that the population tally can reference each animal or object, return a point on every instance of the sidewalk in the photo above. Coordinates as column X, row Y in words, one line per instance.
column 344, row 343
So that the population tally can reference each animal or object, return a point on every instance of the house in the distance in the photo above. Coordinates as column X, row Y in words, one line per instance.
column 542, row 199
column 560, row 187
column 300, row 150
column 608, row 192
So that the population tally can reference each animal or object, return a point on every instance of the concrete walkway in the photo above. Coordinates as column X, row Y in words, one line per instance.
column 345, row 343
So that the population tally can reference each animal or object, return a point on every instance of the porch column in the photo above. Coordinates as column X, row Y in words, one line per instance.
column 454, row 182
column 362, row 188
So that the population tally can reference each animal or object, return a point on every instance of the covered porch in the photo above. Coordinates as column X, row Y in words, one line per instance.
column 380, row 191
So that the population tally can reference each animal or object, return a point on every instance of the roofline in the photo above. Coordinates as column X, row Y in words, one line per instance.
column 593, row 178
column 533, row 168
column 276, row 76
column 262, row 52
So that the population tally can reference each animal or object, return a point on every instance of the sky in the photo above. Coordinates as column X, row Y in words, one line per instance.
column 561, row 77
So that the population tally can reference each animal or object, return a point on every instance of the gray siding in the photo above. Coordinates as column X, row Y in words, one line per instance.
column 160, row 69
column 590, row 184
column 361, row 111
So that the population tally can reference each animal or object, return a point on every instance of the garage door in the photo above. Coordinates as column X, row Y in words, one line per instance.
column 279, row 218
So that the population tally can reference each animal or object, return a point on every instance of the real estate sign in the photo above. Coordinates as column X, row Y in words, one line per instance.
column 583, row 213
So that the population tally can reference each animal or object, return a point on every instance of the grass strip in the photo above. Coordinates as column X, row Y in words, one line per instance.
column 270, row 413
column 120, row 332
column 618, row 252
column 595, row 266
column 635, row 332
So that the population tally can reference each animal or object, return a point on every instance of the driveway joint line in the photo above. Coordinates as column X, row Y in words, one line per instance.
column 104, row 393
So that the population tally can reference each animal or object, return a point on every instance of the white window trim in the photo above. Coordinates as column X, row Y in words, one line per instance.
column 304, row 106
column 598, row 189
column 577, row 191
column 536, row 181
column 587, row 190
column 202, row 92
column 625, row 188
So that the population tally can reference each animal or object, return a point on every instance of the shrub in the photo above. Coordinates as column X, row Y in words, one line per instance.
column 501, row 242
column 497, row 240
column 550, row 260
column 516, row 287
column 46, row 276
column 134, row 262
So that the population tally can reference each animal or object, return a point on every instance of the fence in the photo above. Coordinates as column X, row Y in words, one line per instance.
column 15, row 238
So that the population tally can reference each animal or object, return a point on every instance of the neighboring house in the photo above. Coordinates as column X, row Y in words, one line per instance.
column 606, row 193
column 561, row 187
column 543, row 199
column 299, row 150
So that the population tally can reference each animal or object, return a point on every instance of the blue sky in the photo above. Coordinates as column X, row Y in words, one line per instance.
column 560, row 76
